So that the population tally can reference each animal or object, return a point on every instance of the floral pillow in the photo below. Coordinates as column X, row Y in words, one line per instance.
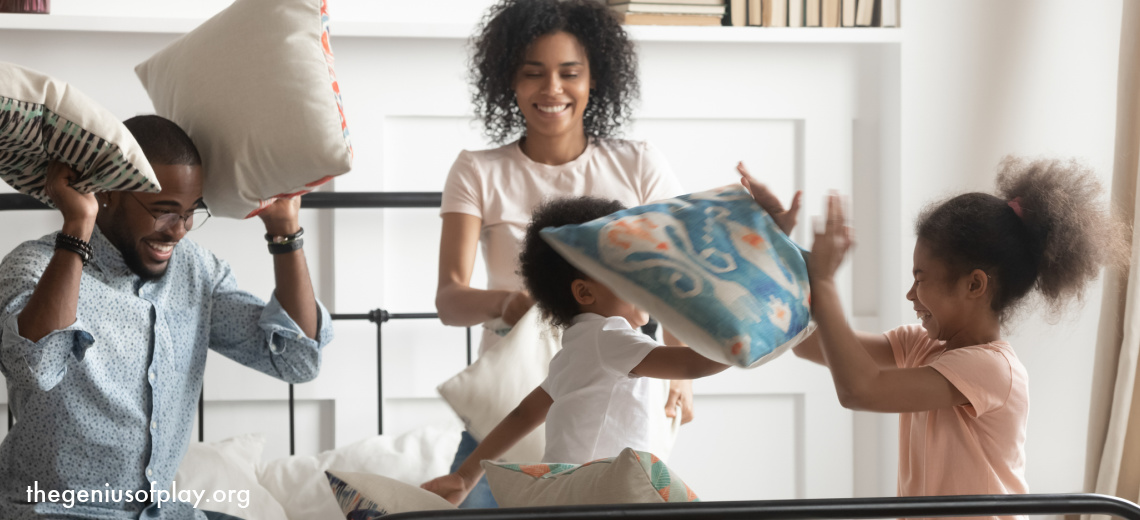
column 43, row 119
column 363, row 496
column 631, row 477
column 712, row 267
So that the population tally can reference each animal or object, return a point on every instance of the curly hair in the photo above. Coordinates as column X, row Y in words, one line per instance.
column 1056, row 245
column 546, row 274
column 511, row 26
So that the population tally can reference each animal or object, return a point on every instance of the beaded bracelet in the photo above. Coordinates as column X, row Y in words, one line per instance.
column 284, row 239
column 75, row 245
column 287, row 247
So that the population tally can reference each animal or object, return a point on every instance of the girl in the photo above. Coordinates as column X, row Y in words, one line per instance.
column 554, row 79
column 960, row 389
column 594, row 400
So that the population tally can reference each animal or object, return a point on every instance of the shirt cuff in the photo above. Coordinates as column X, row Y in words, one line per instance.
column 41, row 363
column 284, row 332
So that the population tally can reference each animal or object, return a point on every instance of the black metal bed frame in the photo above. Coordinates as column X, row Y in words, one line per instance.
column 887, row 507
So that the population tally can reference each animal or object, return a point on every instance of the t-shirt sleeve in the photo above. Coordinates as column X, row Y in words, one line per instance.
column 461, row 192
column 622, row 348
column 904, row 341
column 658, row 180
column 984, row 375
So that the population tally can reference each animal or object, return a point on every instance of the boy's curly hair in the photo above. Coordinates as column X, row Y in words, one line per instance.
column 546, row 274
column 1058, row 244
column 507, row 31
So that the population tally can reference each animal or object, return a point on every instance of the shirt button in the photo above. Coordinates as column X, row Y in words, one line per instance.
column 151, row 376
column 154, row 425
column 149, row 472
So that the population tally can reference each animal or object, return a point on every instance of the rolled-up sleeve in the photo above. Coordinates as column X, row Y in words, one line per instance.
column 262, row 336
column 40, row 364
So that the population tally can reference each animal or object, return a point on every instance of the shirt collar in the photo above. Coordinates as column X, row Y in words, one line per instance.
column 105, row 256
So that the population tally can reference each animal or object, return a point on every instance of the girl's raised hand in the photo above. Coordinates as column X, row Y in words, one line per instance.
column 832, row 244
column 785, row 218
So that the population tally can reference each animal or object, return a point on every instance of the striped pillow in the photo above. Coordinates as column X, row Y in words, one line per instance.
column 631, row 477
column 42, row 119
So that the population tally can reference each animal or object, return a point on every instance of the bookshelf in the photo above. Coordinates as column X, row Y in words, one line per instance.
column 449, row 31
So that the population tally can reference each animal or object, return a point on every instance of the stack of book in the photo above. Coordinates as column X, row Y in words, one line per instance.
column 813, row 13
column 670, row 12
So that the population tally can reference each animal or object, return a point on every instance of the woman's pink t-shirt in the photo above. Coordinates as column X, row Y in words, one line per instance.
column 972, row 449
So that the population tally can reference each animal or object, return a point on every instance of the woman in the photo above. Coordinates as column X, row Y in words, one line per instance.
column 560, row 75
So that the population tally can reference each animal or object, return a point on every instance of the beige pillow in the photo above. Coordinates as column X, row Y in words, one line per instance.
column 43, row 119
column 254, row 88
column 630, row 477
column 227, row 470
column 372, row 496
column 485, row 392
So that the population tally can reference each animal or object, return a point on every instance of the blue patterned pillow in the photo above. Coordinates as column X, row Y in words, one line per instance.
column 363, row 496
column 711, row 266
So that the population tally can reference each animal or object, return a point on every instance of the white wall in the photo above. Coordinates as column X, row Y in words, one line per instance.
column 976, row 79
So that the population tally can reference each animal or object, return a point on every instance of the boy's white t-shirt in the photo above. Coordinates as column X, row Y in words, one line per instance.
column 502, row 186
column 599, row 408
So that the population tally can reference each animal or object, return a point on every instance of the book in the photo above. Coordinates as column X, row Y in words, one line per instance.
column 848, row 19
column 682, row 2
column 775, row 13
column 737, row 15
column 864, row 13
column 717, row 10
column 669, row 19
column 754, row 13
column 889, row 13
column 795, row 13
column 830, row 12
column 811, row 13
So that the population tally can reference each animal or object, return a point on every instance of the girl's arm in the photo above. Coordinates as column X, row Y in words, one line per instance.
column 676, row 363
column 861, row 383
column 875, row 344
column 456, row 301
column 527, row 416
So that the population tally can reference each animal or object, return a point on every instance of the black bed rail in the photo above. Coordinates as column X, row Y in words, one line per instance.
column 893, row 507
column 322, row 200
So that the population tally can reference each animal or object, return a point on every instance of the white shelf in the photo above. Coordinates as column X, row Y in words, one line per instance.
column 644, row 33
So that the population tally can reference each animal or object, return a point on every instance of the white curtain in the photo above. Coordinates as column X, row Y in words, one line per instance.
column 1113, row 462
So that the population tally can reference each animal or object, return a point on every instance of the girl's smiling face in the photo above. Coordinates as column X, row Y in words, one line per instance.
column 939, row 297
column 552, row 87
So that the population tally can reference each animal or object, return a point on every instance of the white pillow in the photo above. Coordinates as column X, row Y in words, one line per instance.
column 370, row 496
column 254, row 88
column 485, row 392
column 300, row 485
column 219, row 467
column 42, row 119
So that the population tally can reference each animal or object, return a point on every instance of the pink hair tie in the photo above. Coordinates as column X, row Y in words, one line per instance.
column 1016, row 205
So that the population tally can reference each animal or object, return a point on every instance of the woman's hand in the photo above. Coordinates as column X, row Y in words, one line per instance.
column 451, row 487
column 786, row 219
column 515, row 305
column 832, row 244
column 79, row 209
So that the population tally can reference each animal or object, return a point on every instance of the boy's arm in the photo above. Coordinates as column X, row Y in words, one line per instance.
column 676, row 363
column 527, row 416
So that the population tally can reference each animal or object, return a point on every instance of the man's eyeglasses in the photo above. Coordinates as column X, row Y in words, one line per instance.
column 165, row 220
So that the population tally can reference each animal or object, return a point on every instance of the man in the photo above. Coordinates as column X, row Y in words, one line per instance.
column 104, row 329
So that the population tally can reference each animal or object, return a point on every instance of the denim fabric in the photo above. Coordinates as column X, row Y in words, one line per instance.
column 480, row 497
column 213, row 515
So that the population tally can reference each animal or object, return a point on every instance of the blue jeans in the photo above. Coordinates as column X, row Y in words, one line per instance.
column 480, row 496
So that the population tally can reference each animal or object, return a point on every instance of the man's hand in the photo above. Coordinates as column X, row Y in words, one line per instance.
column 515, row 306
column 786, row 219
column 79, row 209
column 680, row 393
column 283, row 217
column 451, row 487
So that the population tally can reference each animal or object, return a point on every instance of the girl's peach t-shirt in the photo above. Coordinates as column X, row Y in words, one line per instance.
column 972, row 449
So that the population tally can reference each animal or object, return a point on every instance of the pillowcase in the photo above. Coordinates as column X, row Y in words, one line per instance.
column 712, row 267
column 630, row 477
column 485, row 392
column 229, row 465
column 364, row 497
column 254, row 88
column 43, row 119
column 299, row 483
